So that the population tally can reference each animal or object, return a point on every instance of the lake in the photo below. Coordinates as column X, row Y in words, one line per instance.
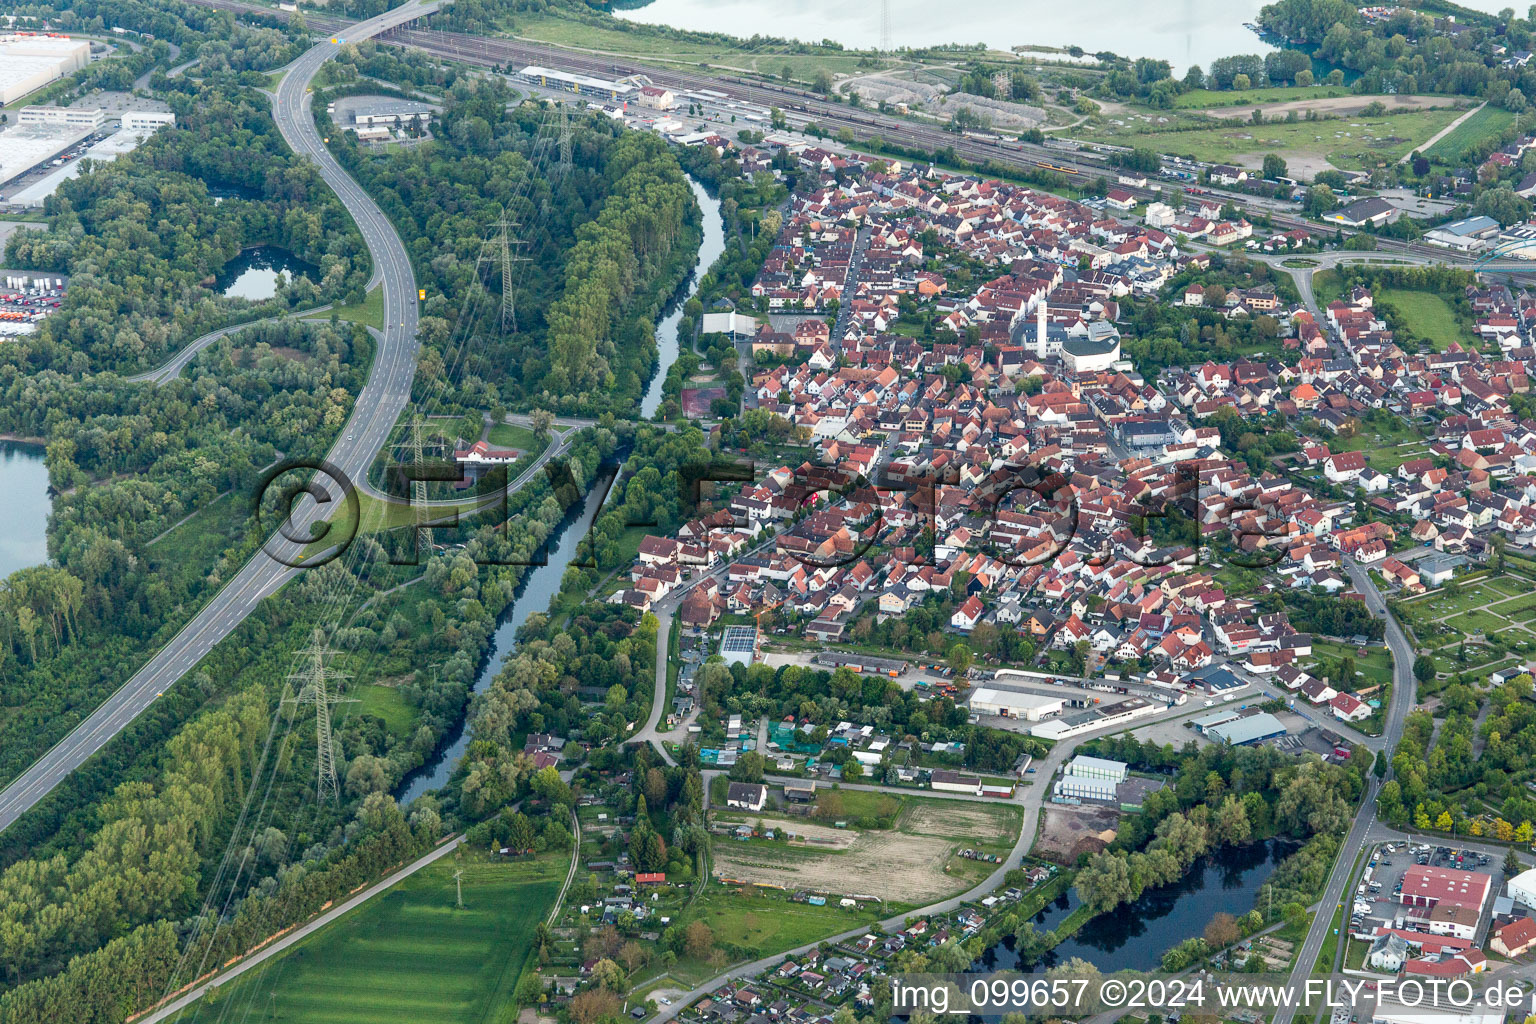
column 1134, row 936
column 667, row 342
column 538, row 588
column 1182, row 32
column 253, row 274
column 24, row 507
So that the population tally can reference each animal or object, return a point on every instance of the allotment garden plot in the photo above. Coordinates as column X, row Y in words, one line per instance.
column 915, row 861
column 1485, row 624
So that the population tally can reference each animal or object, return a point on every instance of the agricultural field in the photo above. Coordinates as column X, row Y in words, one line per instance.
column 408, row 954
column 918, row 857
column 1487, row 124
column 654, row 46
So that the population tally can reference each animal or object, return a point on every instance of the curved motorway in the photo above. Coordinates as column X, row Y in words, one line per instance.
column 377, row 408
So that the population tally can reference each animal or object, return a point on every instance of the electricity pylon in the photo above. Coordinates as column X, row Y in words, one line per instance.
column 419, row 512
column 506, row 232
column 565, row 140
column 314, row 679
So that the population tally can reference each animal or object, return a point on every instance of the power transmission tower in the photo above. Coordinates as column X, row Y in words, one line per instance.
column 419, row 512
column 314, row 679
column 565, row 140
column 506, row 239
column 459, row 885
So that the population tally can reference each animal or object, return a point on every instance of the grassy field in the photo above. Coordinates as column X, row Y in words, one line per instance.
column 509, row 435
column 1486, row 124
column 767, row 923
column 409, row 954
column 383, row 702
column 1426, row 315
column 1386, row 445
column 1350, row 143
column 552, row 28
column 1375, row 666
column 369, row 312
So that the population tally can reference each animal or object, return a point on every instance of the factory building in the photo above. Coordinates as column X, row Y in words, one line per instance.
column 1086, row 787
column 1251, row 729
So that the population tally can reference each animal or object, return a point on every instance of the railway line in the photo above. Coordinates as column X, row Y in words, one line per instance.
column 806, row 106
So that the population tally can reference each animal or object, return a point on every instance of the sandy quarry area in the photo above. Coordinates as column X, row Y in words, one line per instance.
column 905, row 864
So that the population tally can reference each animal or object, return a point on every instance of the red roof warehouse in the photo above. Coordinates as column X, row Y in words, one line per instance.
column 1428, row 886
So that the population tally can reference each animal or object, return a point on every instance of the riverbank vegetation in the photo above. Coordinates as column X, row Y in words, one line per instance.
column 1222, row 796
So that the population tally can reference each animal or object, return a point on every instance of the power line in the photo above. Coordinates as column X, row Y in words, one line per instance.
column 314, row 678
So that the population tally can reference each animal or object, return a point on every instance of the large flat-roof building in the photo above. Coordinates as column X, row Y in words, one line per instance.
column 1084, row 766
column 581, row 85
column 1031, row 707
column 80, row 117
column 24, row 147
column 1248, row 729
column 29, row 61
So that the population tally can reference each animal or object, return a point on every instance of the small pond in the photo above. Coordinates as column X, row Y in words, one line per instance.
column 253, row 274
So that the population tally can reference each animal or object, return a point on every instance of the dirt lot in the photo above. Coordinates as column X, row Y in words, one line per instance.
column 905, row 864
column 1070, row 831
column 1343, row 105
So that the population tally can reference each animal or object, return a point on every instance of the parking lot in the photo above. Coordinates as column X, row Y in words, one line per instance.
column 1382, row 879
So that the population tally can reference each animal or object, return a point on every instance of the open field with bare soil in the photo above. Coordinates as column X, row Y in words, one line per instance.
column 915, row 862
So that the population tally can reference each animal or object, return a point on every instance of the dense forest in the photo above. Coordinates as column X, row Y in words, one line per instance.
column 142, row 237
column 583, row 338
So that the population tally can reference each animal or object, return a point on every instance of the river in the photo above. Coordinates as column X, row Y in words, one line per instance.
column 541, row 584
column 667, row 342
column 1134, row 936
column 24, row 507
column 1182, row 32
column 538, row 589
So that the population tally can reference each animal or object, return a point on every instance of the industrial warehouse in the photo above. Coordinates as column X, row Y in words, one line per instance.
column 1014, row 704
column 29, row 61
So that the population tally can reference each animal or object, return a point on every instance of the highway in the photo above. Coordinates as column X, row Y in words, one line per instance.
column 375, row 413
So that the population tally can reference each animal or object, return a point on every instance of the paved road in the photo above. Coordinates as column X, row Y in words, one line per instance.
column 173, row 366
column 1365, row 826
column 297, row 935
column 377, row 409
